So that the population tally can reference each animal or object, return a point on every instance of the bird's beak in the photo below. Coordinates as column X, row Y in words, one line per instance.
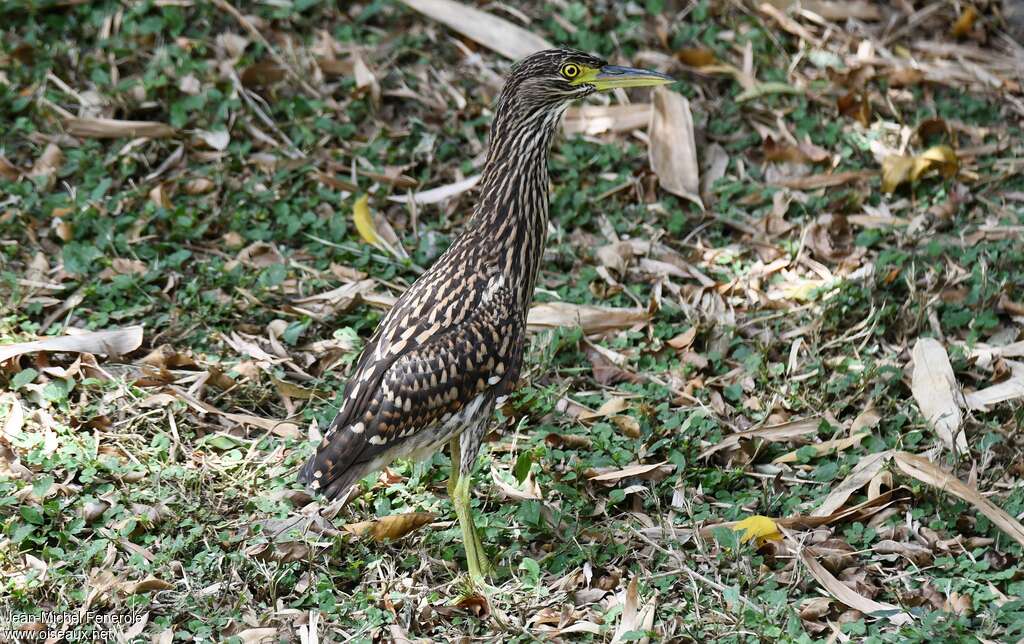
column 612, row 76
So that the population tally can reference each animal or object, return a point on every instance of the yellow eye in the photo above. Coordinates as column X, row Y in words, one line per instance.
column 571, row 71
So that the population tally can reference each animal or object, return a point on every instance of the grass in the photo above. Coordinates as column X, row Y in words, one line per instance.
column 125, row 500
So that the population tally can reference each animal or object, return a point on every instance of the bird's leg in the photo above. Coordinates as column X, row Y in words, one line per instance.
column 459, row 482
column 453, row 475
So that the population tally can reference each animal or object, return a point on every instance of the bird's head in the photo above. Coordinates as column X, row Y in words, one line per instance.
column 554, row 77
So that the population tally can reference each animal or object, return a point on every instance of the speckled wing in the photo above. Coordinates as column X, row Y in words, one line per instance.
column 417, row 375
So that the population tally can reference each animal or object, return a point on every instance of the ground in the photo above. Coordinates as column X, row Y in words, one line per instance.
column 863, row 193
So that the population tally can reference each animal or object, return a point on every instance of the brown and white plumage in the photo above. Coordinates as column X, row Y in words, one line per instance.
column 453, row 343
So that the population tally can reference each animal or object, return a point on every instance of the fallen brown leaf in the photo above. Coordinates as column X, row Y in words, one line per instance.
column 937, row 393
column 101, row 128
column 861, row 475
column 596, row 119
column 784, row 432
column 826, row 447
column 495, row 33
column 673, row 149
column 394, row 526
column 850, row 597
column 898, row 169
column 592, row 319
column 112, row 342
column 929, row 473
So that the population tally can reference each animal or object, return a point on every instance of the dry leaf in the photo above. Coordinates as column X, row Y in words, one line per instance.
column 394, row 526
column 898, row 169
column 1009, row 389
column 963, row 25
column 438, row 194
column 784, row 432
column 215, row 140
column 528, row 490
column 850, row 597
column 631, row 470
column 257, row 635
column 937, row 393
column 596, row 119
column 696, row 56
column 634, row 618
column 672, row 149
column 592, row 319
column 861, row 475
column 759, row 528
column 100, row 128
column 8, row 170
column 826, row 447
column 492, row 32
column 48, row 164
column 856, row 106
column 614, row 405
column 927, row 472
column 787, row 153
column 111, row 342
column 149, row 584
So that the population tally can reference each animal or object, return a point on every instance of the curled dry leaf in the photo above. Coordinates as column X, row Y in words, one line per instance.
column 696, row 56
column 592, row 319
column 898, row 169
column 914, row 552
column 8, row 170
column 937, row 393
column 831, row 238
column 199, row 186
column 856, row 106
column 862, row 474
column 215, row 140
column 787, row 153
column 673, row 149
column 634, row 617
column 1009, row 389
column 394, row 526
column 112, row 342
column 48, row 164
column 964, row 23
column 149, row 584
column 495, row 33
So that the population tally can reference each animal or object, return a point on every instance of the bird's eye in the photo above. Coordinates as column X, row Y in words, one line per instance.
column 571, row 71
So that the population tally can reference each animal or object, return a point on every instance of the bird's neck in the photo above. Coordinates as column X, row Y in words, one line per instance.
column 512, row 211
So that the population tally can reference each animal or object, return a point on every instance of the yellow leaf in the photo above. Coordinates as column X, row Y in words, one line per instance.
column 964, row 23
column 758, row 527
column 364, row 221
column 897, row 169
column 940, row 157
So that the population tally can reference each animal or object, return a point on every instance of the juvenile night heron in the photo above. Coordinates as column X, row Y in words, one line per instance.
column 452, row 346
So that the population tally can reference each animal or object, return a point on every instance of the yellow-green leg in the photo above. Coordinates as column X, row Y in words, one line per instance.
column 458, row 490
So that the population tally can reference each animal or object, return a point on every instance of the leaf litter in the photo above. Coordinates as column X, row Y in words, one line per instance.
column 828, row 348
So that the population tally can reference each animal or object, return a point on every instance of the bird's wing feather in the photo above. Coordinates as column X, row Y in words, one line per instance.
column 435, row 371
